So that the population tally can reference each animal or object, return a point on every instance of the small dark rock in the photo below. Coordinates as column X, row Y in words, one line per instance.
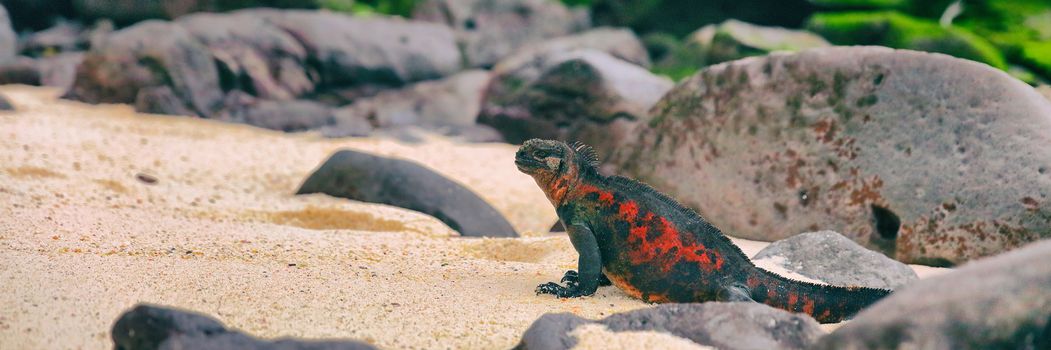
column 557, row 227
column 739, row 325
column 1002, row 302
column 364, row 177
column 488, row 30
column 147, row 327
column 146, row 178
column 5, row 105
column 828, row 256
column 20, row 70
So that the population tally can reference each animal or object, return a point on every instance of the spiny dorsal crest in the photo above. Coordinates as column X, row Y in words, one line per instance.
column 585, row 152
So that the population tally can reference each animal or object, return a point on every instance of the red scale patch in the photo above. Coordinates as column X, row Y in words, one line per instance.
column 668, row 248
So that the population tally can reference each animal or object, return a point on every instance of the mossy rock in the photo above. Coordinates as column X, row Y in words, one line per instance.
column 893, row 29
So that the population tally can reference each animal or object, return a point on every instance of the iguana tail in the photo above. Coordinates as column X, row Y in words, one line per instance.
column 826, row 303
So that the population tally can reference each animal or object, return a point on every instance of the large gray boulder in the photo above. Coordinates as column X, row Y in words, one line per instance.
column 929, row 158
column 738, row 325
column 384, row 50
column 829, row 257
column 490, row 29
column 8, row 39
column 144, row 57
column 1003, row 302
column 583, row 95
column 252, row 54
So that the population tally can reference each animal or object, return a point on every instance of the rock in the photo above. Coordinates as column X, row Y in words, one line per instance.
column 452, row 102
column 896, row 30
column 148, row 55
column 357, row 50
column 364, row 177
column 130, row 11
column 64, row 36
column 1001, row 302
column 296, row 115
column 475, row 133
column 156, row 327
column 490, row 29
column 21, row 70
column 850, row 139
column 56, row 70
column 160, row 100
column 584, row 95
column 739, row 325
column 619, row 43
column 8, row 39
column 252, row 54
column 829, row 257
column 680, row 17
column 59, row 70
column 731, row 40
column 5, row 105
column 1044, row 90
column 734, row 39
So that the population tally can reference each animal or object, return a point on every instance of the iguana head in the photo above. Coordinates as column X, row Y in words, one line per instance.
column 554, row 165
column 544, row 158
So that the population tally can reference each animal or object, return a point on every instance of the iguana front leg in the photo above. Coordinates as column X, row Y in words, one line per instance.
column 572, row 277
column 589, row 265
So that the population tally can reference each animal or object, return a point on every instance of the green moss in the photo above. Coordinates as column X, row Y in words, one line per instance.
column 893, row 29
column 1037, row 56
column 860, row 3
column 368, row 7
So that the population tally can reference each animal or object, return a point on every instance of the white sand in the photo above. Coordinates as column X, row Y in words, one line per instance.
column 81, row 239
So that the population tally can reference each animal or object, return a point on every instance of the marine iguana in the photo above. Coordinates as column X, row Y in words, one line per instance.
column 658, row 250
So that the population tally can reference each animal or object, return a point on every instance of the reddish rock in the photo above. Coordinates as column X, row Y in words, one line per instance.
column 926, row 157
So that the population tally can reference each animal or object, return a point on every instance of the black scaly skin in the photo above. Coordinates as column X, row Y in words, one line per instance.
column 656, row 249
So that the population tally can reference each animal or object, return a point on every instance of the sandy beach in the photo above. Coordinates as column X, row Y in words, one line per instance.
column 102, row 208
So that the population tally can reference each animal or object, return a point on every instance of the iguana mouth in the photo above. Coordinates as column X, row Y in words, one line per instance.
column 523, row 165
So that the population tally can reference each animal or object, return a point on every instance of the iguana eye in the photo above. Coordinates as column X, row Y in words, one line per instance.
column 540, row 154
